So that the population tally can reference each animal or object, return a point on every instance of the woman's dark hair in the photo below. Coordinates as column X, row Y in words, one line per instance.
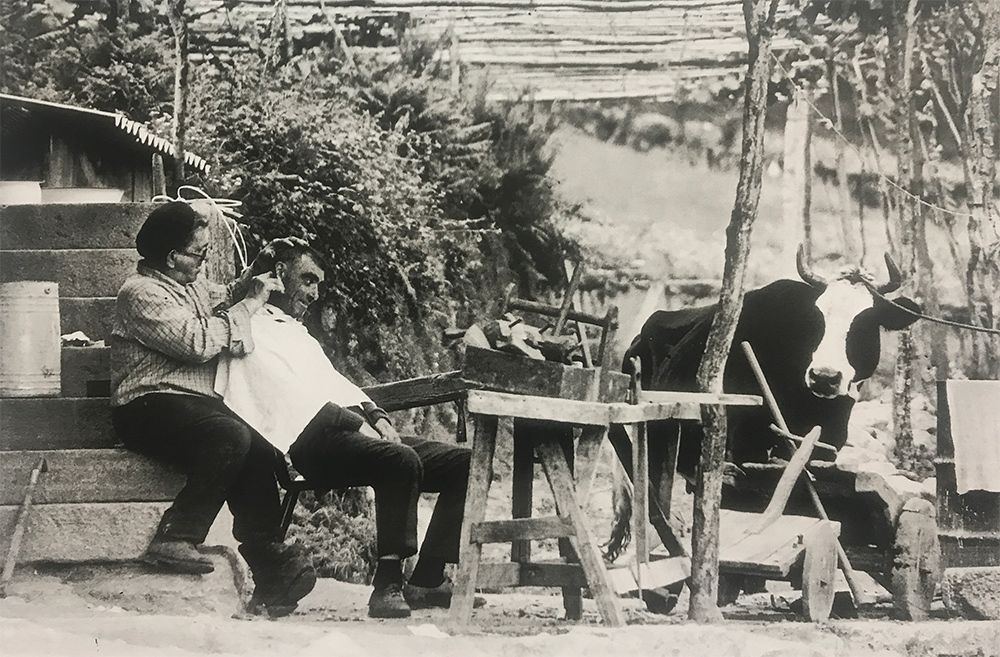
column 169, row 227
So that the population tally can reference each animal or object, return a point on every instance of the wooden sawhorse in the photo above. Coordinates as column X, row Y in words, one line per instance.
column 541, row 426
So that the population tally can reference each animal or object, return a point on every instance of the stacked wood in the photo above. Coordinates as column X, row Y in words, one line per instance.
column 543, row 51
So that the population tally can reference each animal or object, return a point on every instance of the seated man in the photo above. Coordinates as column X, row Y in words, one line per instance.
column 288, row 391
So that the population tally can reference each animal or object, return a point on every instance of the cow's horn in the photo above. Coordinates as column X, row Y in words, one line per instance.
column 805, row 272
column 895, row 277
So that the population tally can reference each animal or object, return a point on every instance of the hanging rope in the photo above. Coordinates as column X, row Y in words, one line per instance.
column 227, row 210
column 930, row 318
column 861, row 156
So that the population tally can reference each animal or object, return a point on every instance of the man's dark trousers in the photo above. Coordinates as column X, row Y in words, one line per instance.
column 330, row 453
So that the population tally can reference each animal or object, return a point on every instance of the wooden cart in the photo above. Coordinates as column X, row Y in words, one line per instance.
column 887, row 529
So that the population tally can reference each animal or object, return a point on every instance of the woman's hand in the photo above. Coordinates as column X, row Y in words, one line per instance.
column 262, row 285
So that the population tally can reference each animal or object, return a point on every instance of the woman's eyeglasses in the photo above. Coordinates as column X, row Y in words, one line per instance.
column 200, row 257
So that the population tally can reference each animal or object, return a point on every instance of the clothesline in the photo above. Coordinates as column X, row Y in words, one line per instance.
column 861, row 155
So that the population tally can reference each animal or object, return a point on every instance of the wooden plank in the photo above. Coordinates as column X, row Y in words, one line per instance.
column 470, row 552
column 561, row 480
column 55, row 423
column 86, row 371
column 772, row 552
column 72, row 226
column 548, row 574
column 95, row 316
column 522, row 492
column 88, row 475
column 419, row 391
column 505, row 531
column 711, row 398
column 79, row 272
column 499, row 371
column 538, row 408
column 68, row 533
column 655, row 574
column 498, row 575
column 622, row 413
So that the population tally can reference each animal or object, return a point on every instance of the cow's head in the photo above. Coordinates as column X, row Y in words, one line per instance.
column 849, row 347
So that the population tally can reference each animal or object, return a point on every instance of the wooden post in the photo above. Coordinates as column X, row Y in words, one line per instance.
column 796, row 187
column 159, row 179
column 178, row 24
column 851, row 249
column 759, row 17
column 455, row 64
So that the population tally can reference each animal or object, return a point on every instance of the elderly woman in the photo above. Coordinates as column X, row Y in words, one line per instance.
column 171, row 325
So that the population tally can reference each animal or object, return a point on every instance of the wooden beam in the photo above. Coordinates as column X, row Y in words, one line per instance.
column 419, row 391
column 538, row 408
column 506, row 531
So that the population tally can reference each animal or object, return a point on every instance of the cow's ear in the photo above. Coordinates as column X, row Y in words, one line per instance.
column 895, row 318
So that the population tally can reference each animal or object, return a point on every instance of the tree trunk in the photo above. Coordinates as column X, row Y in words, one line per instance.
column 899, row 68
column 796, row 188
column 983, row 276
column 759, row 17
column 876, row 146
column 178, row 24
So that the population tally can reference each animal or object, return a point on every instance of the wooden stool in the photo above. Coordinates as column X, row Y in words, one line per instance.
column 541, row 426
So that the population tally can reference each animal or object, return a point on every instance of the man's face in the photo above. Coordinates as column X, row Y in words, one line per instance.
column 302, row 278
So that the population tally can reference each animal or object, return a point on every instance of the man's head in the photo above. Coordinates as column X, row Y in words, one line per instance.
column 174, row 239
column 300, row 269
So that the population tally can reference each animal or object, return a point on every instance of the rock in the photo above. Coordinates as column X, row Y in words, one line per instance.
column 972, row 593
column 133, row 586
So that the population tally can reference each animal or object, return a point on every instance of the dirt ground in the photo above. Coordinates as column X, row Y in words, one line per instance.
column 48, row 618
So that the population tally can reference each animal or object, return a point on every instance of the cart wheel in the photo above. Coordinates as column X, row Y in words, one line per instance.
column 819, row 571
column 729, row 588
column 916, row 560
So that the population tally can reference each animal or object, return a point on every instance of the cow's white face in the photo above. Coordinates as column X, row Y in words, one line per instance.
column 830, row 374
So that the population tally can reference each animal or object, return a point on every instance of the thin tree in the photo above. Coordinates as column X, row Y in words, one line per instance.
column 178, row 24
column 759, row 18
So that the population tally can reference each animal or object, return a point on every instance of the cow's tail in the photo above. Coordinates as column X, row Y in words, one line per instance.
column 621, row 521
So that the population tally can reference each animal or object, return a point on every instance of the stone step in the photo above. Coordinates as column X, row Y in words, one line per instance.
column 95, row 316
column 86, row 371
column 79, row 272
column 77, row 226
column 66, row 533
column 55, row 423
column 87, row 475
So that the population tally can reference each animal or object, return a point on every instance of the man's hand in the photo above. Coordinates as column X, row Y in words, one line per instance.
column 386, row 430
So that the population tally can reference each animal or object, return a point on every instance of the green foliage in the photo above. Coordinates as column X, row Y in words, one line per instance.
column 338, row 530
column 54, row 50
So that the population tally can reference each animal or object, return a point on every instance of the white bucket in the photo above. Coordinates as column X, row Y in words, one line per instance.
column 30, row 346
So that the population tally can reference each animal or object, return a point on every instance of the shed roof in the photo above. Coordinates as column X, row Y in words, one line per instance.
column 117, row 125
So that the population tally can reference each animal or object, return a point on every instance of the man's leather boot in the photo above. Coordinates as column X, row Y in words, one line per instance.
column 282, row 576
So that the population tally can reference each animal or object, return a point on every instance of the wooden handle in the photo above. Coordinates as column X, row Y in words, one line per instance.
column 783, row 491
column 860, row 597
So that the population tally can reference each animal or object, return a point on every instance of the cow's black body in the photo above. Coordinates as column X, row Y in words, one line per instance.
column 782, row 324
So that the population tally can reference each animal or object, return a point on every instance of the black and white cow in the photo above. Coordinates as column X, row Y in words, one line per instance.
column 817, row 341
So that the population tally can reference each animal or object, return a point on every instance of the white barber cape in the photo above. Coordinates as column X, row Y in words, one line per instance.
column 280, row 386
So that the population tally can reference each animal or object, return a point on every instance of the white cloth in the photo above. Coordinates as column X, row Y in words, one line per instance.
column 974, row 407
column 281, row 385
